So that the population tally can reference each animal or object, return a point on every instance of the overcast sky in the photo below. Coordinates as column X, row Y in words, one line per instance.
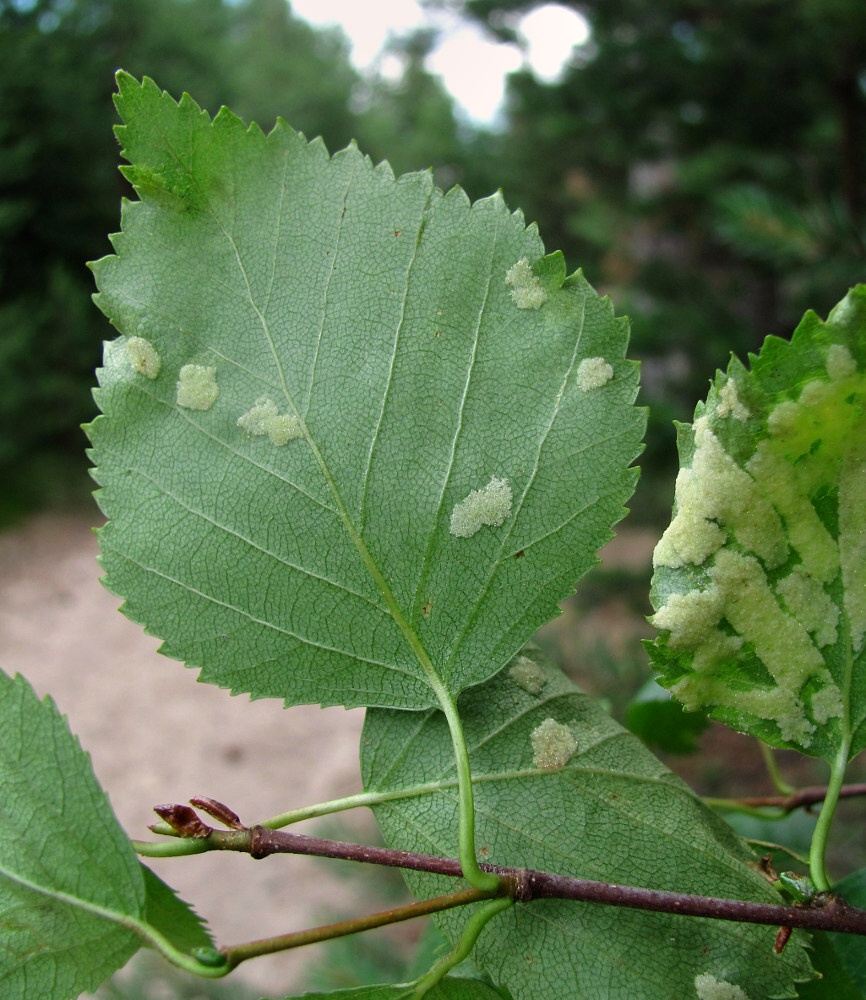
column 472, row 64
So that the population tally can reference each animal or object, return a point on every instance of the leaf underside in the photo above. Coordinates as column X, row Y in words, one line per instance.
column 63, row 857
column 612, row 812
column 760, row 580
column 388, row 361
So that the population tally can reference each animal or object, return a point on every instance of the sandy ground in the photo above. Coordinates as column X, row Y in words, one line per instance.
column 155, row 735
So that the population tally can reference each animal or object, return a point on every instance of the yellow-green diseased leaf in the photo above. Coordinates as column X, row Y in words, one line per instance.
column 611, row 812
column 381, row 503
column 68, row 875
column 450, row 988
column 760, row 580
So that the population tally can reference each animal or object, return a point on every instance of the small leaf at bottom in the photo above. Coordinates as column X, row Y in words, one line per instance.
column 68, row 874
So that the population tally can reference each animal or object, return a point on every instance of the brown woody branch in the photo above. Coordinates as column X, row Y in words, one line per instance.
column 802, row 797
column 826, row 912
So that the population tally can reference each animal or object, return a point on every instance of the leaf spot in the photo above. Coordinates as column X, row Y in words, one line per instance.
column 487, row 506
column 143, row 357
column 527, row 675
column 553, row 745
column 713, row 493
column 593, row 373
column 807, row 600
column 708, row 987
column 264, row 419
column 730, row 404
column 526, row 290
column 840, row 363
column 197, row 387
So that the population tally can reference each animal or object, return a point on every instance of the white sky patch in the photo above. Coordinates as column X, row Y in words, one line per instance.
column 472, row 64
column 367, row 24
column 551, row 33
column 473, row 69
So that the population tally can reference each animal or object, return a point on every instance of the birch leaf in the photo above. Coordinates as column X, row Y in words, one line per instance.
column 606, row 810
column 70, row 883
column 366, row 437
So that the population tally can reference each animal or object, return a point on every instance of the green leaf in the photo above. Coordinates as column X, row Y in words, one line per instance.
column 760, row 580
column 435, row 423
column 661, row 722
column 842, row 957
column 69, row 879
column 168, row 914
column 448, row 989
column 610, row 812
column 835, row 982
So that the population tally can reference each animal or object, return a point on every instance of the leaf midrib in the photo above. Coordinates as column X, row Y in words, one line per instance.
column 412, row 638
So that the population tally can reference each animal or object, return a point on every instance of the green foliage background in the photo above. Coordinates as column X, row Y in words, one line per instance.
column 59, row 186
column 711, row 227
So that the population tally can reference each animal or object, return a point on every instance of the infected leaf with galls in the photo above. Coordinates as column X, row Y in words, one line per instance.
column 372, row 562
column 607, row 809
column 527, row 291
column 263, row 419
column 760, row 579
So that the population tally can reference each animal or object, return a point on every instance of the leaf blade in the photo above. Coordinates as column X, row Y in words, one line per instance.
column 373, row 317
column 68, row 875
column 611, row 813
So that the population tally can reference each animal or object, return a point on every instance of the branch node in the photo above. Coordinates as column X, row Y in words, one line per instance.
column 259, row 845
column 520, row 885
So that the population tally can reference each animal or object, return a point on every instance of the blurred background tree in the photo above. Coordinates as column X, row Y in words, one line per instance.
column 59, row 184
column 704, row 163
